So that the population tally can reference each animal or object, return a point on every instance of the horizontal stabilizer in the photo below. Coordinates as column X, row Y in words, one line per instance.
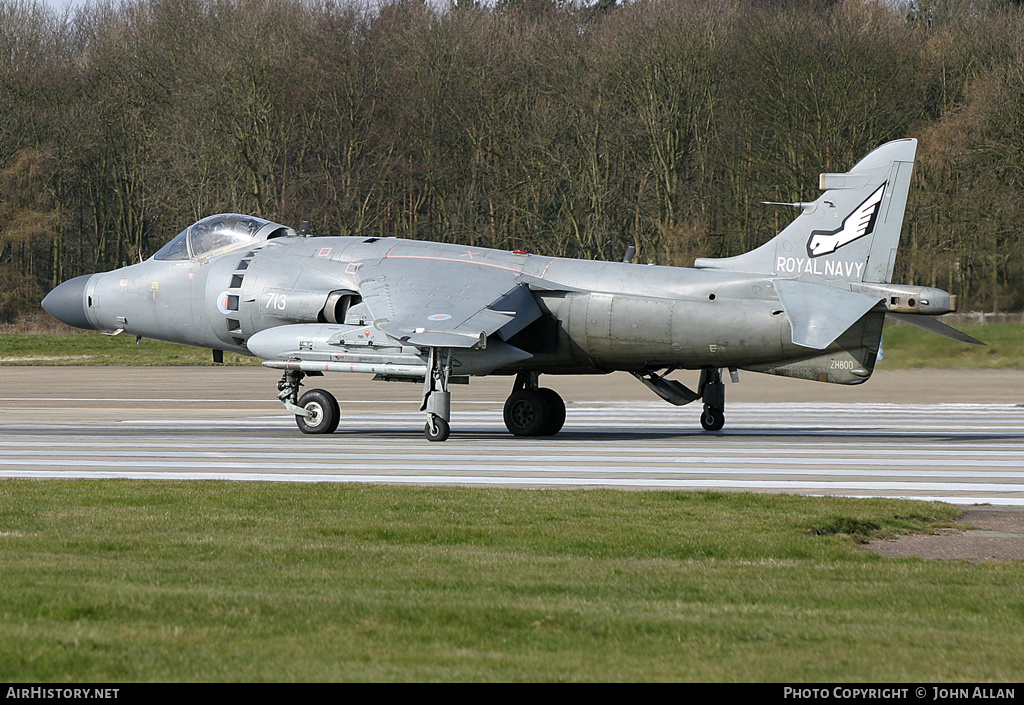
column 818, row 314
column 933, row 325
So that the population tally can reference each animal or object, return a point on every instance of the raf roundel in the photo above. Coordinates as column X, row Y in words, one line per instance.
column 227, row 302
column 439, row 317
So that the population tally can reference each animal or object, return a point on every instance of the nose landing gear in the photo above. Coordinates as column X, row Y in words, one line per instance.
column 316, row 411
column 324, row 412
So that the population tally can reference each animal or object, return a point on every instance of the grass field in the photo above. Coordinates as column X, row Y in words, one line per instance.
column 166, row 581
column 905, row 346
column 96, row 349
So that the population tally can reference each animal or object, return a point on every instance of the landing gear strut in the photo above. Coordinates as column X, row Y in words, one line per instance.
column 531, row 410
column 712, row 390
column 316, row 411
column 437, row 400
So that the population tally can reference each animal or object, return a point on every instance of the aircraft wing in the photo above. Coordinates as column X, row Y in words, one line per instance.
column 438, row 302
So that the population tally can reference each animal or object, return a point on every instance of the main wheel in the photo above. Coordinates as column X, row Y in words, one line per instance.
column 712, row 419
column 527, row 413
column 324, row 413
column 439, row 430
column 556, row 411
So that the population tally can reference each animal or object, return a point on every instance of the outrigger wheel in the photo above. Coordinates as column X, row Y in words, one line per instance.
column 437, row 400
column 437, row 429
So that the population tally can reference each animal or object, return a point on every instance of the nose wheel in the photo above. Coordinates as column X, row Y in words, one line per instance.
column 316, row 411
column 323, row 411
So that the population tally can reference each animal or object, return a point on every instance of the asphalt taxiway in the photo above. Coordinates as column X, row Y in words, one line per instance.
column 954, row 436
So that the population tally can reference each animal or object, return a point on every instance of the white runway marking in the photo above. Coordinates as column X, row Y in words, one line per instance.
column 960, row 453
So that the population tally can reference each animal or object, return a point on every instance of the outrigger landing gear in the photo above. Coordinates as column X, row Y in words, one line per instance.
column 437, row 400
column 531, row 410
column 712, row 390
column 316, row 411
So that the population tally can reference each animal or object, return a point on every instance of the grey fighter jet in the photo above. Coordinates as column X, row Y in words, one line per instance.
column 809, row 304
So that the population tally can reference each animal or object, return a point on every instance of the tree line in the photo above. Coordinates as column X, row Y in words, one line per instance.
column 542, row 125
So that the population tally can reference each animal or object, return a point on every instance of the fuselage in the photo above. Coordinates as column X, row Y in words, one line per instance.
column 600, row 316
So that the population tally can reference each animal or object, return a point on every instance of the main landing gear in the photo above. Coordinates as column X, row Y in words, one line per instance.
column 316, row 411
column 712, row 390
column 531, row 410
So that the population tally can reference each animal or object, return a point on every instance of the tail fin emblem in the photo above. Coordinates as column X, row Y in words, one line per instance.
column 855, row 226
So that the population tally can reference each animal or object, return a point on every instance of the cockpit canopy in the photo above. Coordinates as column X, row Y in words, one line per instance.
column 220, row 233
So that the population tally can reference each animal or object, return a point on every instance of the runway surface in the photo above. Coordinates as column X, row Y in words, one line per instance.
column 923, row 435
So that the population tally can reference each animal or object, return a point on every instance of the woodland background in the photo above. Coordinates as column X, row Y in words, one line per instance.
column 536, row 124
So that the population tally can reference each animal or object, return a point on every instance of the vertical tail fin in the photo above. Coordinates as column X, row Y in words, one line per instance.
column 851, row 232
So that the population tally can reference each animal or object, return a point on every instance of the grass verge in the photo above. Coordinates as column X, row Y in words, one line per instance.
column 64, row 349
column 167, row 581
column 909, row 347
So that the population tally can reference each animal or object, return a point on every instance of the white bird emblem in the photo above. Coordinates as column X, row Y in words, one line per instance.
column 855, row 226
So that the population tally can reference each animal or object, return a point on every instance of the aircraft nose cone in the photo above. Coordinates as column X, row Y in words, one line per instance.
column 67, row 303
